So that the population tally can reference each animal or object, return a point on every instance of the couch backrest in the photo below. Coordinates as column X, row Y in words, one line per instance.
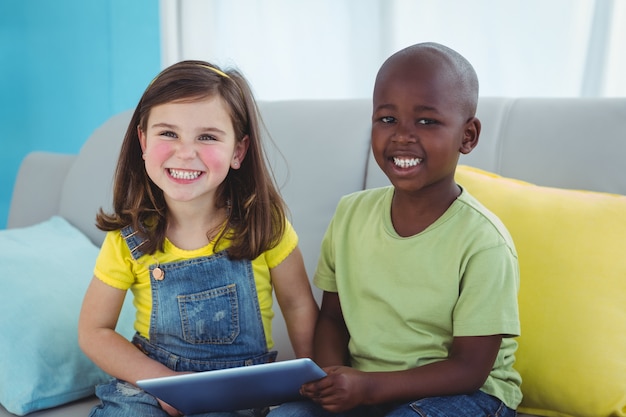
column 320, row 154
column 320, row 151
column 88, row 185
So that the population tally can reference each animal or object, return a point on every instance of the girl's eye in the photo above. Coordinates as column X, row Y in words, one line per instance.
column 387, row 119
column 426, row 121
column 168, row 134
column 207, row 138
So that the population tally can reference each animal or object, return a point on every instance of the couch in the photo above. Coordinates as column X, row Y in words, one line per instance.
column 552, row 168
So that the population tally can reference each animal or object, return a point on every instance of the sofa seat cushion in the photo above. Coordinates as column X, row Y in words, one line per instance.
column 46, row 269
column 572, row 253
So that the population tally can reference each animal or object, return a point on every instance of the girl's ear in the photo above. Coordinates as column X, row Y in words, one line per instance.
column 142, row 141
column 470, row 135
column 241, row 148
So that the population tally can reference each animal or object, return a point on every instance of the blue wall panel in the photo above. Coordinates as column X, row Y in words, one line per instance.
column 65, row 67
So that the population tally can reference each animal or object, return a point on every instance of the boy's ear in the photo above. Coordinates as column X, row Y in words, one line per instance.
column 470, row 135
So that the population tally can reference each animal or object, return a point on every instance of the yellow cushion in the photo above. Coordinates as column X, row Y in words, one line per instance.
column 572, row 254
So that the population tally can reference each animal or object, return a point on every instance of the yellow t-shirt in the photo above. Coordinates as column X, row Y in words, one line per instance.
column 116, row 267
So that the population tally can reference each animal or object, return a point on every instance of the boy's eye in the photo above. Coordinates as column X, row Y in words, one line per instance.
column 387, row 119
column 426, row 121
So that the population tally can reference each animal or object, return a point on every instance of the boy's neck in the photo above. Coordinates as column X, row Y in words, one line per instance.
column 413, row 213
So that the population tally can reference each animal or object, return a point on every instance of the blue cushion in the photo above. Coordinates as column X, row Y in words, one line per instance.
column 46, row 269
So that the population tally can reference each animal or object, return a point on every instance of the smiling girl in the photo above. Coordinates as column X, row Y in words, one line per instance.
column 199, row 235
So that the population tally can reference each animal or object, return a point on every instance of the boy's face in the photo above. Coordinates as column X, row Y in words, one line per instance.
column 419, row 125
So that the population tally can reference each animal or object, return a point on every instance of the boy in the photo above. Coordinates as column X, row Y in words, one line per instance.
column 420, row 280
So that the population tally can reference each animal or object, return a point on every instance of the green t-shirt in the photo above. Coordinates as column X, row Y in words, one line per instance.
column 405, row 298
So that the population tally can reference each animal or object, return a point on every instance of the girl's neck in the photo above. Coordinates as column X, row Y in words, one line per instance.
column 191, row 228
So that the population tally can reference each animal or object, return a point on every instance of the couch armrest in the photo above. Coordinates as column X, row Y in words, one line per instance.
column 38, row 187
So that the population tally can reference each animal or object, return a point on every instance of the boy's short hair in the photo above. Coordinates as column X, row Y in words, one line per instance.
column 459, row 68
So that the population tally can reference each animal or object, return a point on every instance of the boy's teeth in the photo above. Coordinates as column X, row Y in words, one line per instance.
column 405, row 163
column 184, row 175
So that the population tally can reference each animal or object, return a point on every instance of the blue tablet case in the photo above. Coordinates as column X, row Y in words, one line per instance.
column 232, row 389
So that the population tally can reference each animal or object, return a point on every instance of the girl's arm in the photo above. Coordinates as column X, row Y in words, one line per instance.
column 103, row 345
column 295, row 297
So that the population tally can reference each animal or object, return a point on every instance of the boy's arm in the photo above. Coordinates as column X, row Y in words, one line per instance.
column 331, row 335
column 466, row 369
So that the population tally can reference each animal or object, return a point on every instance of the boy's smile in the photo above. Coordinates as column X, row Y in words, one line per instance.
column 406, row 162
column 402, row 166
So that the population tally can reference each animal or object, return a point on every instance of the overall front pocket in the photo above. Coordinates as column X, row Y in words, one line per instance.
column 211, row 316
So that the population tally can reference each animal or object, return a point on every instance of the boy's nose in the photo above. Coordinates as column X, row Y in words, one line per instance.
column 404, row 133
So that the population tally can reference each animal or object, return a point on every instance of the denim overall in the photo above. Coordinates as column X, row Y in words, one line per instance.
column 205, row 316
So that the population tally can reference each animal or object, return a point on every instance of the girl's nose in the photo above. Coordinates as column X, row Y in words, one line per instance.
column 186, row 150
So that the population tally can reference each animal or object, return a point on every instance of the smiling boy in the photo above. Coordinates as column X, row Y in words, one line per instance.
column 420, row 280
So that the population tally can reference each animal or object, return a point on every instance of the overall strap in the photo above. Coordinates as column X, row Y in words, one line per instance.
column 133, row 240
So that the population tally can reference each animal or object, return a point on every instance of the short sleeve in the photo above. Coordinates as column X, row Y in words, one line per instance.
column 324, row 277
column 114, row 264
column 488, row 294
column 287, row 244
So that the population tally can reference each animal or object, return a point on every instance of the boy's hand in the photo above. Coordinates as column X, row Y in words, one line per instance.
column 342, row 389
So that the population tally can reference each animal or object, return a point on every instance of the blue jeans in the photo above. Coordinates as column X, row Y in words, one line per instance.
column 121, row 399
column 477, row 404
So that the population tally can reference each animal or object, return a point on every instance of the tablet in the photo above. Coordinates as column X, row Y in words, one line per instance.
column 231, row 389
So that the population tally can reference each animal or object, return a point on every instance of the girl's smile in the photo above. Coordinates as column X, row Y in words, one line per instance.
column 184, row 175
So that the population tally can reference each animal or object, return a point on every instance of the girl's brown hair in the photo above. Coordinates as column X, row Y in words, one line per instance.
column 256, row 215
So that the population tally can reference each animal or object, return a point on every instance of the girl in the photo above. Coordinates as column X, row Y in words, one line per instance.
column 198, row 233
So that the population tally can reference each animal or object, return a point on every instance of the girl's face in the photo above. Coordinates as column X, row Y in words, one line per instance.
column 189, row 147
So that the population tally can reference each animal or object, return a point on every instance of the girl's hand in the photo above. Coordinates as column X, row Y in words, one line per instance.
column 169, row 409
column 342, row 389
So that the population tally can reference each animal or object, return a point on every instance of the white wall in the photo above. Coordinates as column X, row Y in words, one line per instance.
column 333, row 48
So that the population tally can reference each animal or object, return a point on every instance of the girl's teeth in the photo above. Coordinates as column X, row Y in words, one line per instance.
column 406, row 163
column 184, row 175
